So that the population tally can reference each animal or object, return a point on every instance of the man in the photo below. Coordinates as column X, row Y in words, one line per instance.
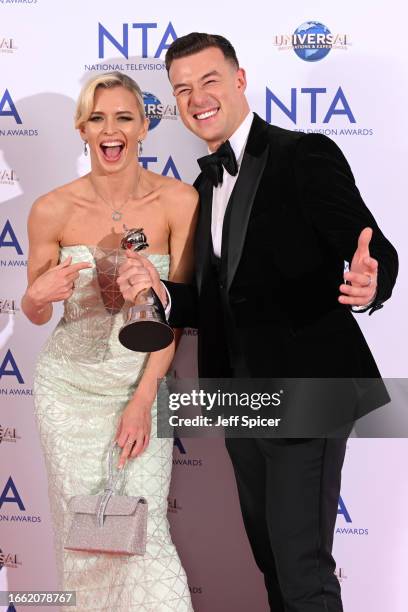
column 279, row 216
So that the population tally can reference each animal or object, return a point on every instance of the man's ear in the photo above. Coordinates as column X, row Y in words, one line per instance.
column 241, row 79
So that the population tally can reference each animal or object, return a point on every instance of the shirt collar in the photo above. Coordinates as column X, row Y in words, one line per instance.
column 239, row 138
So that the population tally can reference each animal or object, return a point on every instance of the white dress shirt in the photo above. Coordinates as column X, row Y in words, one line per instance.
column 222, row 193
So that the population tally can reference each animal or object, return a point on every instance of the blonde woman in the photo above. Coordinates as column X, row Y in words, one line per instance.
column 89, row 389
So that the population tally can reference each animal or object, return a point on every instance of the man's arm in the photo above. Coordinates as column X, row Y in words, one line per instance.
column 184, row 304
column 331, row 200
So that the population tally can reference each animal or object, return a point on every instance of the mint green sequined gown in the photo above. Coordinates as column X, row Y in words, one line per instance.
column 84, row 378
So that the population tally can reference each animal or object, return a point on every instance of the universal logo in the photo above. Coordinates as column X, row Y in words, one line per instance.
column 9, row 560
column 7, row 45
column 26, row 2
column 156, row 111
column 8, row 434
column 311, row 41
column 8, row 177
column 8, row 306
column 172, row 505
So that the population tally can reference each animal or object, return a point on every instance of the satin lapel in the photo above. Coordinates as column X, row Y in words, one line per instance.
column 203, row 232
column 243, row 197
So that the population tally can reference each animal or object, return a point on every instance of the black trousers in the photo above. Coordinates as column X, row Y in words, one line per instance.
column 289, row 491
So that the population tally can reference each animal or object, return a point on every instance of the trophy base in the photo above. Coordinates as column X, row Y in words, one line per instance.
column 146, row 336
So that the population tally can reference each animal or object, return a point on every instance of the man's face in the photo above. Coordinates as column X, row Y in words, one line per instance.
column 209, row 91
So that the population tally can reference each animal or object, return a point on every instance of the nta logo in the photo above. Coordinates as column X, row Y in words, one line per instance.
column 9, row 239
column 339, row 105
column 9, row 367
column 15, row 498
column 178, row 443
column 122, row 45
column 8, row 108
column 343, row 510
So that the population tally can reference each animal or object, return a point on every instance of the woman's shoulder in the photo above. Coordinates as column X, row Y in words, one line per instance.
column 59, row 196
column 58, row 200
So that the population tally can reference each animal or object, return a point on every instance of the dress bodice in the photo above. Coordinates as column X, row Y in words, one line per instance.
column 96, row 291
column 87, row 334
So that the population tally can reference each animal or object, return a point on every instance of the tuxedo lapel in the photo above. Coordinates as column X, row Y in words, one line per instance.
column 242, row 198
column 203, row 232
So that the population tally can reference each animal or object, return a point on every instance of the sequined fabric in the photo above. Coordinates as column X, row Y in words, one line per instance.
column 84, row 378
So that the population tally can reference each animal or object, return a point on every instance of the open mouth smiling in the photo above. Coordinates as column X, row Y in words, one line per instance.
column 206, row 114
column 112, row 149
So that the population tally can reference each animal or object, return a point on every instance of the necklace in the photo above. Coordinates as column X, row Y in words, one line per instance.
column 117, row 212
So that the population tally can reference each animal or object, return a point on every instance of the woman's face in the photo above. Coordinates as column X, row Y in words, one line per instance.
column 113, row 129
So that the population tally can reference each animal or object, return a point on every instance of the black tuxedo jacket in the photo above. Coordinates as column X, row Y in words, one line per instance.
column 272, row 308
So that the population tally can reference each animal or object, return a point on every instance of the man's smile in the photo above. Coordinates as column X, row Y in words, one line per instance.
column 206, row 114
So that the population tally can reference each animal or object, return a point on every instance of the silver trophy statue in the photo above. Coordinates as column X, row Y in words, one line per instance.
column 146, row 329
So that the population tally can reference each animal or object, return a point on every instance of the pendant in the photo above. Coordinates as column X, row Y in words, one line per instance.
column 116, row 215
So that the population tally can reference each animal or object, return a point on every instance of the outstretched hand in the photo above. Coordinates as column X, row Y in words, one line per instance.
column 361, row 286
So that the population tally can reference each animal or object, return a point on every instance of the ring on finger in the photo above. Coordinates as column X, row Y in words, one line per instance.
column 369, row 280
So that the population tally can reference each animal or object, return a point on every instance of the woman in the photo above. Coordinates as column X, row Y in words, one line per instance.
column 89, row 389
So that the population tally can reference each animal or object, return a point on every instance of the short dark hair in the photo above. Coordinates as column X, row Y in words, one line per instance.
column 196, row 42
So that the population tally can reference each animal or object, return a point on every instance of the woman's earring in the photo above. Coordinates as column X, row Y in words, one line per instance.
column 140, row 143
column 85, row 147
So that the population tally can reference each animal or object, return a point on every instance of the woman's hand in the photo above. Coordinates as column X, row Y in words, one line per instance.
column 136, row 274
column 133, row 432
column 56, row 284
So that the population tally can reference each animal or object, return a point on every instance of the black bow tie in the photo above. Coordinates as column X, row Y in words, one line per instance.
column 212, row 166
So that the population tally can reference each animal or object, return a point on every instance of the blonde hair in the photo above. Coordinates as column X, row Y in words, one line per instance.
column 86, row 98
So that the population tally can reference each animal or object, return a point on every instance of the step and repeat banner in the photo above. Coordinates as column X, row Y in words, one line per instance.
column 336, row 69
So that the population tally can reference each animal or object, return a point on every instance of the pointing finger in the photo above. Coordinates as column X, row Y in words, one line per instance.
column 74, row 268
column 65, row 263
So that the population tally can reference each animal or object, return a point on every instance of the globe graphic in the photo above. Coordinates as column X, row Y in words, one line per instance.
column 310, row 52
column 151, row 103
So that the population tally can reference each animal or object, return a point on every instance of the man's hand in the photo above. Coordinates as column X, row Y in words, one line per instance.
column 136, row 274
column 362, row 275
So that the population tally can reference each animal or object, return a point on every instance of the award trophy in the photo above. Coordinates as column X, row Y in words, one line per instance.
column 146, row 329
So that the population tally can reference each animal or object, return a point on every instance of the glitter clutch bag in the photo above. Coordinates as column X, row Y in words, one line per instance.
column 108, row 523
